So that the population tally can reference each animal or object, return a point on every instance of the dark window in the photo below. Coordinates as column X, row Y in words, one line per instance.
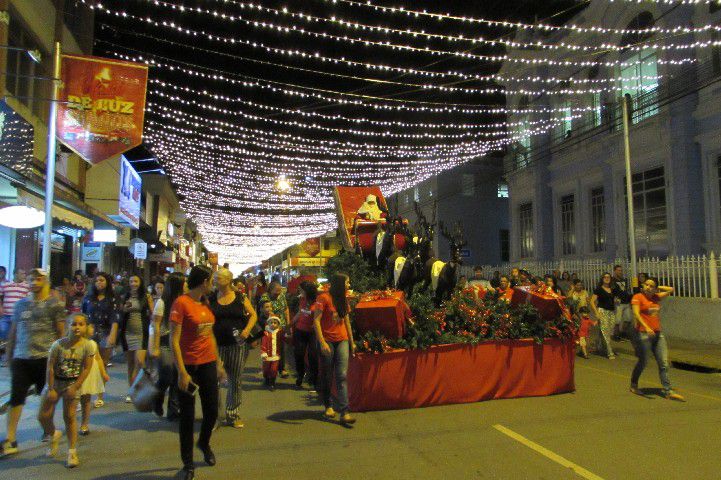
column 568, row 225
column 505, row 243
column 598, row 220
column 22, row 70
column 525, row 229
column 714, row 6
column 649, row 211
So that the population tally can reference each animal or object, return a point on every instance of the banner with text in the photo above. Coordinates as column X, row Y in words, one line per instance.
column 101, row 106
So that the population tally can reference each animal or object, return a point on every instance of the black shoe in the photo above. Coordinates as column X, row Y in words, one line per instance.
column 187, row 474
column 299, row 382
column 208, row 455
column 173, row 416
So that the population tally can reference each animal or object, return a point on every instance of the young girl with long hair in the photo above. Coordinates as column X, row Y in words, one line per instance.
column 103, row 313
column 136, row 323
column 69, row 364
column 332, row 329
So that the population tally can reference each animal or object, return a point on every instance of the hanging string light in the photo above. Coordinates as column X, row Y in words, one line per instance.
column 526, row 26
column 232, row 18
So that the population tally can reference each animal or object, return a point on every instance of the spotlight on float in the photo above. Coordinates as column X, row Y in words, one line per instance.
column 283, row 185
column 20, row 216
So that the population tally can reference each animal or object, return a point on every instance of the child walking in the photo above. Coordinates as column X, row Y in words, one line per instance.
column 583, row 331
column 69, row 364
column 93, row 385
column 270, row 351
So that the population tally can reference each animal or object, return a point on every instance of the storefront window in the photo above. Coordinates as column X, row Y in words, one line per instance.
column 639, row 80
column 649, row 211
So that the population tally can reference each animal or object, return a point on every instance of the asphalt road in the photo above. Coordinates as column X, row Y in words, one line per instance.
column 600, row 432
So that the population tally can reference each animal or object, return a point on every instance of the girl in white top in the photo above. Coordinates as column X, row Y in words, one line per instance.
column 93, row 385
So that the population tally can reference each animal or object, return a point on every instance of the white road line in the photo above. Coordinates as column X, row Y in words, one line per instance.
column 547, row 453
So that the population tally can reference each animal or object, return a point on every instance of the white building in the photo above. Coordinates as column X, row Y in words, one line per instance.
column 566, row 185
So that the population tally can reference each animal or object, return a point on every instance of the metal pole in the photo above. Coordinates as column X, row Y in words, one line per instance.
column 629, row 194
column 50, row 161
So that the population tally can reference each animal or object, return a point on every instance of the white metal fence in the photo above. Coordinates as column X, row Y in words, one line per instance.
column 691, row 276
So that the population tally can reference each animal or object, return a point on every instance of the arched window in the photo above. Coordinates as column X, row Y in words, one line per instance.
column 639, row 69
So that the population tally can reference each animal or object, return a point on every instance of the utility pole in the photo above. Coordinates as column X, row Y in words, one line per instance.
column 50, row 162
column 629, row 191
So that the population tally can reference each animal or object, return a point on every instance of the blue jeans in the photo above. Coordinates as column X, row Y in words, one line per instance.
column 5, row 323
column 335, row 366
column 645, row 345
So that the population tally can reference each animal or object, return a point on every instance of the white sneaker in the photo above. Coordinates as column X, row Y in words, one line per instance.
column 54, row 440
column 8, row 448
column 128, row 399
column 73, row 460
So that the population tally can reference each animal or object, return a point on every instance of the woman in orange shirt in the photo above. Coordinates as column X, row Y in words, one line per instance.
column 646, row 307
column 199, row 367
column 335, row 337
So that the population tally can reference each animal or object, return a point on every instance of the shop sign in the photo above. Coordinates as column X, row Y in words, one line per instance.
column 165, row 257
column 140, row 250
column 92, row 252
column 309, row 262
column 101, row 106
column 311, row 246
column 123, row 238
column 129, row 195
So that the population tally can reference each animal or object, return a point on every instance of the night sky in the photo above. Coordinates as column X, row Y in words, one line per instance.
column 128, row 36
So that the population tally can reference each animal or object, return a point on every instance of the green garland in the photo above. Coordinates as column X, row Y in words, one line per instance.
column 466, row 319
column 362, row 277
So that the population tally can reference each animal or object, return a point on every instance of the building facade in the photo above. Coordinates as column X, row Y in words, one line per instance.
column 474, row 196
column 566, row 167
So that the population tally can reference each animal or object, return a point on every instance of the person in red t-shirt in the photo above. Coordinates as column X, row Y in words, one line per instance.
column 199, row 367
column 646, row 307
column 303, row 337
column 335, row 337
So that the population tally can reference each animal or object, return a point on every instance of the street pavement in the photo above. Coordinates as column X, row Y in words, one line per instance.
column 600, row 432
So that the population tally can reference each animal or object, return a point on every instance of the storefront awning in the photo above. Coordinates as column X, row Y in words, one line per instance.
column 58, row 212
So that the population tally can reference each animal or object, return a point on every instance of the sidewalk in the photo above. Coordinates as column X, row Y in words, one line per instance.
column 696, row 354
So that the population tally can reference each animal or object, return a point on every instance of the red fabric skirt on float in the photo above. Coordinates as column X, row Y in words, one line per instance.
column 460, row 373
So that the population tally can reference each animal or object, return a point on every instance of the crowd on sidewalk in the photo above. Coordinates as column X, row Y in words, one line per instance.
column 195, row 332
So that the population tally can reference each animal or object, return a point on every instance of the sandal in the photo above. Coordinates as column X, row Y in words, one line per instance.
column 346, row 419
column 329, row 413
column 84, row 431
column 99, row 403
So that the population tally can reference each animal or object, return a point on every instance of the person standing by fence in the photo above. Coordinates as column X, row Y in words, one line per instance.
column 646, row 309
column 603, row 303
column 623, row 303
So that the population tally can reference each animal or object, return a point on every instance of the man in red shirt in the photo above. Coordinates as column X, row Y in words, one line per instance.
column 646, row 307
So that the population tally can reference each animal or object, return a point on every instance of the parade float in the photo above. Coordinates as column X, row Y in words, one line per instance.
column 420, row 341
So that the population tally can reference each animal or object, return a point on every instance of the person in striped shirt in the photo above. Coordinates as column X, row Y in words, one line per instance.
column 11, row 293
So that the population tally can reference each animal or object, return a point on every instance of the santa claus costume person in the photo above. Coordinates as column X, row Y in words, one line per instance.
column 270, row 351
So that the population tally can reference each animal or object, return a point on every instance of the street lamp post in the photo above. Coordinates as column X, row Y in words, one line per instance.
column 50, row 163
column 629, row 191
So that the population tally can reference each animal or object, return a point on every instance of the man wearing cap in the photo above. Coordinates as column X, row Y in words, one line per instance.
column 38, row 320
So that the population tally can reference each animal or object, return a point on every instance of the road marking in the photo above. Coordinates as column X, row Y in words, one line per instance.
column 547, row 453
column 628, row 377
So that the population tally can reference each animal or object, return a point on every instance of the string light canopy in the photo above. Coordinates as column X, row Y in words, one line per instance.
column 257, row 112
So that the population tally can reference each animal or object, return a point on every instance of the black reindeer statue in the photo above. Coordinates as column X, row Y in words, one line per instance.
column 405, row 269
column 442, row 276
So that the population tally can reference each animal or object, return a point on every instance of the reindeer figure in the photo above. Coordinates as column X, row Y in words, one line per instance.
column 442, row 276
column 406, row 268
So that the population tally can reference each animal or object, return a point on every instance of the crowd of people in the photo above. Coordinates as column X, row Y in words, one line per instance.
column 197, row 331
column 620, row 308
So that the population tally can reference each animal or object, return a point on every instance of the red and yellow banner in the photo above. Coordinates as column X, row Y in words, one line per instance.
column 101, row 106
